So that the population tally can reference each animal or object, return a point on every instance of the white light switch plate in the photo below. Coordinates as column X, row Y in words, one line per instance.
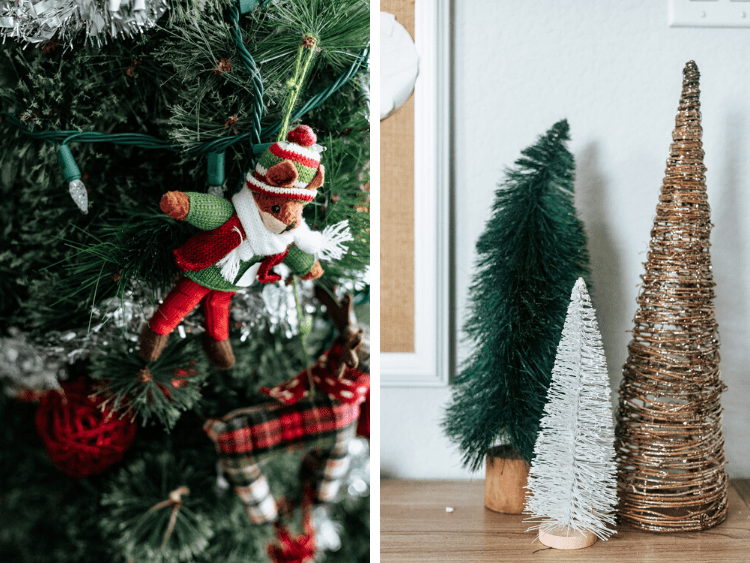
column 709, row 13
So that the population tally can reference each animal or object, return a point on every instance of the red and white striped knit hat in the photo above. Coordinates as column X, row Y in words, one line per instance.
column 302, row 151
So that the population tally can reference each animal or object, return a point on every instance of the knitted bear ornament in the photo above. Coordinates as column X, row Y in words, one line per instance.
column 242, row 240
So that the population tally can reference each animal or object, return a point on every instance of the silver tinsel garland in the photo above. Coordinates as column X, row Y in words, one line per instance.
column 35, row 364
column 39, row 22
column 272, row 305
column 357, row 480
column 26, row 366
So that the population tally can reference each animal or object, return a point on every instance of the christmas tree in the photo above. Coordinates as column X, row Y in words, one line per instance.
column 105, row 107
column 670, row 447
column 572, row 478
column 530, row 255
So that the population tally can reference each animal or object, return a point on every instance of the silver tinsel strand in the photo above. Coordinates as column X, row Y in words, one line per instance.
column 99, row 20
column 26, row 366
column 272, row 305
column 35, row 364
column 357, row 480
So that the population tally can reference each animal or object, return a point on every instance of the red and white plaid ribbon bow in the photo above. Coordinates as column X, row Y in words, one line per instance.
column 350, row 389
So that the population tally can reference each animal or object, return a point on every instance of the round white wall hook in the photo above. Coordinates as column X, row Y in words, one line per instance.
column 399, row 65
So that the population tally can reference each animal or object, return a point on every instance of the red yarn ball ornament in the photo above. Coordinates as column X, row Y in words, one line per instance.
column 81, row 438
column 302, row 135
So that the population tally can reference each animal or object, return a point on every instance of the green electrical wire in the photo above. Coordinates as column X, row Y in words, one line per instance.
column 255, row 136
column 252, row 68
column 149, row 142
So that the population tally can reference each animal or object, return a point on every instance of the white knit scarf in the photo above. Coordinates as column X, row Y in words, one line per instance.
column 259, row 241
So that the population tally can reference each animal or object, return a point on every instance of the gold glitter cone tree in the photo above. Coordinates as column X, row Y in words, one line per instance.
column 670, row 447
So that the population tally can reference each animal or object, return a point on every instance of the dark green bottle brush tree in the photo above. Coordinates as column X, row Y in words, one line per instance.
column 529, row 257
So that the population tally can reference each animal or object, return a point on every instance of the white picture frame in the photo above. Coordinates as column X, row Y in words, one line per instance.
column 429, row 364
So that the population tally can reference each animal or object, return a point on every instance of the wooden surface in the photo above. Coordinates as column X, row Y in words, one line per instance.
column 415, row 527
column 397, row 213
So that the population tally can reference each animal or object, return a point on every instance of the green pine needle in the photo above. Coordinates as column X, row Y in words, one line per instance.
column 139, row 529
column 171, row 386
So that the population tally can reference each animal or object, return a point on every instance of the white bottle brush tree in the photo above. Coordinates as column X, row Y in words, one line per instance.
column 572, row 480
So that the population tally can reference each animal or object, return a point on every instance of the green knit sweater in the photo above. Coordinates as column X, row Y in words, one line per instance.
column 210, row 212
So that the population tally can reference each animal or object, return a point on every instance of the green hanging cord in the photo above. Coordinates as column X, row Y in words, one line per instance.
column 294, row 85
column 304, row 330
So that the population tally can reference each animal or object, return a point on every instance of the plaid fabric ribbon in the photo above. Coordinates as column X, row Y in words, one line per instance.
column 246, row 437
column 352, row 388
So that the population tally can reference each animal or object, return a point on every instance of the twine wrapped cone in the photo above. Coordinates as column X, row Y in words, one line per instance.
column 670, row 447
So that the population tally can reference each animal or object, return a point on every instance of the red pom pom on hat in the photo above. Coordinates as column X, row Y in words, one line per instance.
column 81, row 439
column 302, row 135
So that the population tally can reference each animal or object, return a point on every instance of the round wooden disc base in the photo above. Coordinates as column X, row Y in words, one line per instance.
column 567, row 538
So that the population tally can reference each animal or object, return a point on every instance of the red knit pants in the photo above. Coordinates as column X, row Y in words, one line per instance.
column 183, row 298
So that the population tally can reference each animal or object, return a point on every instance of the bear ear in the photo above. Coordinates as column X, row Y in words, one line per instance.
column 316, row 182
column 283, row 175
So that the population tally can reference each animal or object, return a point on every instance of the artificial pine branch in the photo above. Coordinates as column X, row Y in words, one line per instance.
column 273, row 36
column 137, row 509
column 531, row 253
column 572, row 480
column 136, row 249
column 343, row 198
column 163, row 389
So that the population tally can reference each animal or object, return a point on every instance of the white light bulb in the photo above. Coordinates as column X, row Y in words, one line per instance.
column 79, row 195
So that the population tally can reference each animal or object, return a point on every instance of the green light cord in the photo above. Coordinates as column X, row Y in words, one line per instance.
column 222, row 144
column 144, row 141
column 252, row 68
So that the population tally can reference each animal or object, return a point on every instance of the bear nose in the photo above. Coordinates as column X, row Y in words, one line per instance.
column 290, row 226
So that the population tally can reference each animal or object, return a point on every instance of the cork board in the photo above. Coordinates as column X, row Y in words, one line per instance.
column 397, row 213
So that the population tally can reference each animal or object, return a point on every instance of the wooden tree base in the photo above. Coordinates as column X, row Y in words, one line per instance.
column 567, row 538
column 504, row 483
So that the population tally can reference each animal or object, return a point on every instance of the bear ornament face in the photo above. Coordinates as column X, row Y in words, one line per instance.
column 287, row 177
column 278, row 213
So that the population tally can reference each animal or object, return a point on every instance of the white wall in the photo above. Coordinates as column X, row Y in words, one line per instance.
column 614, row 70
